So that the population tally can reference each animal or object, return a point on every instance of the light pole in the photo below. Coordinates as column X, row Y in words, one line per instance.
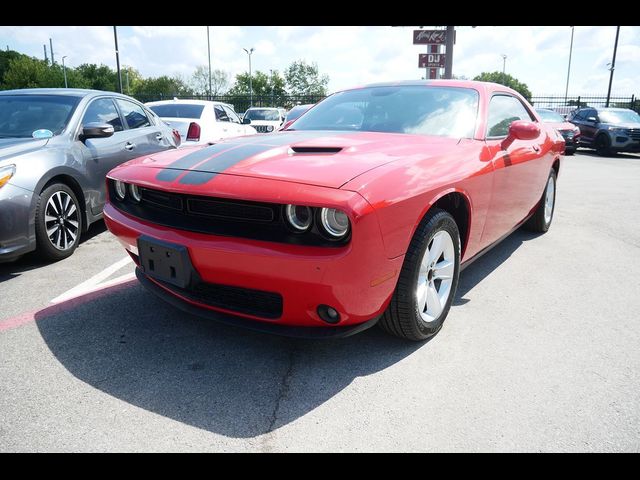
column 613, row 65
column 115, row 36
column 127, row 74
column 249, row 52
column 209, row 56
column 566, row 90
column 64, row 71
column 271, row 79
column 504, row 66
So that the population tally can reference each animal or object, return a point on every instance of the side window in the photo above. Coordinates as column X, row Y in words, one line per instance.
column 578, row 116
column 103, row 110
column 592, row 113
column 153, row 119
column 221, row 115
column 233, row 117
column 504, row 109
column 133, row 114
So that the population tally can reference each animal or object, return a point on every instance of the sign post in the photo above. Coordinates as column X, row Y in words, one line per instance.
column 435, row 60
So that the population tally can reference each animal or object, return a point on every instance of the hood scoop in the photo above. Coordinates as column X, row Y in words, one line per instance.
column 318, row 150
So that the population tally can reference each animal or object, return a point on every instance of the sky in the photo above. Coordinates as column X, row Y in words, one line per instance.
column 537, row 56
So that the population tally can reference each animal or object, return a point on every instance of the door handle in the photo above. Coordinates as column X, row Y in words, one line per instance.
column 129, row 146
column 536, row 148
column 159, row 137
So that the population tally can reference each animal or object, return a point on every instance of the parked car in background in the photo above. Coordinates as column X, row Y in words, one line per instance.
column 56, row 146
column 264, row 119
column 569, row 131
column 201, row 121
column 294, row 114
column 365, row 212
column 608, row 130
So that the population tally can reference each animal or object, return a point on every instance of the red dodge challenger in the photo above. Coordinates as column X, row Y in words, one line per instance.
column 363, row 211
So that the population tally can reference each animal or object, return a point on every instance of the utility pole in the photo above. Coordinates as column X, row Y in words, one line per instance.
column 249, row 52
column 448, row 59
column 613, row 65
column 51, row 50
column 64, row 70
column 504, row 67
column 209, row 57
column 46, row 59
column 115, row 36
column 271, row 75
column 128, row 89
column 566, row 90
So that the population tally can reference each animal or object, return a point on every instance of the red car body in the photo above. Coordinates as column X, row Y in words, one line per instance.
column 385, row 182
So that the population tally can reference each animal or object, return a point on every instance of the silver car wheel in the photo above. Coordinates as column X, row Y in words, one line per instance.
column 549, row 199
column 61, row 220
column 435, row 276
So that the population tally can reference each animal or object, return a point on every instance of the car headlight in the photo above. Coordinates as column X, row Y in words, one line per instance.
column 6, row 173
column 121, row 189
column 334, row 222
column 299, row 217
column 135, row 193
column 269, row 128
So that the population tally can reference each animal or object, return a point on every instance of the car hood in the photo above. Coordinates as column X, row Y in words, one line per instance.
column 622, row 125
column 322, row 158
column 10, row 147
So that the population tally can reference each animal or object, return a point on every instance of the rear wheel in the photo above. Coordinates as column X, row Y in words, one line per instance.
column 540, row 221
column 603, row 145
column 428, row 280
column 58, row 222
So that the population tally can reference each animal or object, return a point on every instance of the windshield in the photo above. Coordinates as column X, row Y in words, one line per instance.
column 178, row 110
column 296, row 111
column 419, row 109
column 619, row 116
column 22, row 115
column 263, row 114
column 550, row 116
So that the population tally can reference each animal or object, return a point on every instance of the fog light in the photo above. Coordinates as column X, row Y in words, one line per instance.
column 328, row 314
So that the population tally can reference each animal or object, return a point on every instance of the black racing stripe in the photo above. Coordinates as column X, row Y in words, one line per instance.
column 175, row 169
column 220, row 163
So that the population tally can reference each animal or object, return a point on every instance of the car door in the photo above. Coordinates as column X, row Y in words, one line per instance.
column 102, row 154
column 225, row 127
column 235, row 126
column 143, row 136
column 589, row 125
column 517, row 173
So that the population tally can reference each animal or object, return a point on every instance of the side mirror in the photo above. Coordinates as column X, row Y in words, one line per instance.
column 521, row 130
column 246, row 121
column 592, row 119
column 97, row 130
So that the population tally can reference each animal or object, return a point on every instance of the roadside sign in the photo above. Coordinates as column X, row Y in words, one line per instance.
column 431, row 60
column 426, row 37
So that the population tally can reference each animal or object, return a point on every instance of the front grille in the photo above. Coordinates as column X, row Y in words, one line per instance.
column 242, row 300
column 567, row 134
column 219, row 216
column 262, row 128
column 634, row 133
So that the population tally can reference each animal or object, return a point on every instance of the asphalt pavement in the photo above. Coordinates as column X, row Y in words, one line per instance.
column 540, row 352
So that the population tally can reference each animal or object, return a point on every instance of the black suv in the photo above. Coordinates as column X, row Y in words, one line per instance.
column 608, row 130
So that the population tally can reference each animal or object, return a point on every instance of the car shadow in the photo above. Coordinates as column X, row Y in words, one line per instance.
column 127, row 343
column 32, row 260
column 592, row 153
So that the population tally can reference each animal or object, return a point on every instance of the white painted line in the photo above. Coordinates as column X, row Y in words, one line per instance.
column 94, row 283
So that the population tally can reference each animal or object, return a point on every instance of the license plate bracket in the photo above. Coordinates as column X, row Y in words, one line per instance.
column 165, row 261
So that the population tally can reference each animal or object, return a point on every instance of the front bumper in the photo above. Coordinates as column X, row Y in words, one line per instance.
column 357, row 280
column 16, row 222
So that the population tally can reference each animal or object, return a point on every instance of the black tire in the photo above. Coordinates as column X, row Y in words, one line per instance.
column 537, row 222
column 602, row 145
column 45, row 246
column 402, row 317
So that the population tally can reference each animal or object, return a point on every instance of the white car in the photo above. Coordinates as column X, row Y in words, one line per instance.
column 201, row 121
column 264, row 119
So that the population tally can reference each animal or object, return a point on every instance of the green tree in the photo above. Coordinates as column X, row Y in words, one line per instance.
column 304, row 79
column 98, row 77
column 29, row 72
column 199, row 81
column 5, row 58
column 506, row 80
column 155, row 88
column 261, row 83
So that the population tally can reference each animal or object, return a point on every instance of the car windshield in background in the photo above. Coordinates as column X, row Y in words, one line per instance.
column 22, row 115
column 619, row 116
column 178, row 110
column 420, row 110
column 297, row 111
column 263, row 114
column 550, row 116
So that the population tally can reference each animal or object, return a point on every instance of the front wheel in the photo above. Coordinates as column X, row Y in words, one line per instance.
column 58, row 222
column 603, row 145
column 428, row 280
column 540, row 221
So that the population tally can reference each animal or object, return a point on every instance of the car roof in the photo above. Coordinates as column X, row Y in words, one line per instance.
column 187, row 102
column 70, row 92
column 487, row 87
